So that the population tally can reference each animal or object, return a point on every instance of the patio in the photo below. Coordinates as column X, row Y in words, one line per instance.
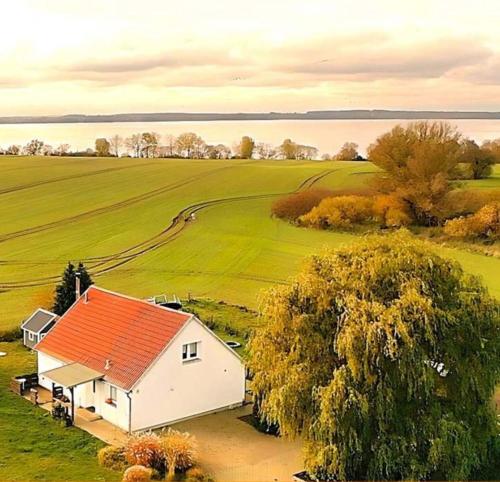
column 84, row 419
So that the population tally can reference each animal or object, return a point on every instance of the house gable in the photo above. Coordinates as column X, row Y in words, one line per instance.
column 174, row 387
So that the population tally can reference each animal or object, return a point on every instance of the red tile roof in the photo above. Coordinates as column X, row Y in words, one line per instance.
column 131, row 333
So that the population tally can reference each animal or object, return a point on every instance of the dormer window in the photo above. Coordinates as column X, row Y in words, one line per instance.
column 190, row 351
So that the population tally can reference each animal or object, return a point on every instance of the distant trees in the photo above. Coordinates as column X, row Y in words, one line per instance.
column 288, row 149
column 134, row 144
column 116, row 143
column 383, row 358
column 65, row 294
column 149, row 144
column 478, row 161
column 348, row 152
column 493, row 147
column 417, row 162
column 220, row 151
column 291, row 150
column 34, row 147
column 245, row 148
column 62, row 150
column 13, row 150
column 265, row 150
column 102, row 147
column 188, row 144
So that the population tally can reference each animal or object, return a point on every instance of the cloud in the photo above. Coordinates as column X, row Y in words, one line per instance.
column 487, row 73
column 384, row 57
column 140, row 62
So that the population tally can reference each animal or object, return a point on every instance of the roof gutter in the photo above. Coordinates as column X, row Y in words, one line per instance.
column 129, row 412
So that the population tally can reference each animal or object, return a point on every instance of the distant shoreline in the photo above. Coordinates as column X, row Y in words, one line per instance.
column 208, row 117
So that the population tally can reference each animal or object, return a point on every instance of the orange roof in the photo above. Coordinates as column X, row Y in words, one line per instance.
column 128, row 332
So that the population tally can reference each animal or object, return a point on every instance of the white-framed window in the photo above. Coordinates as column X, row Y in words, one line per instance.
column 31, row 336
column 42, row 336
column 113, row 392
column 190, row 351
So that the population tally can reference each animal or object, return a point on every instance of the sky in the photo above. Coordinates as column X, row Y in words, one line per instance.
column 115, row 56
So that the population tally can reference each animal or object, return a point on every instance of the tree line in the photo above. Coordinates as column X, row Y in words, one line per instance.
column 187, row 145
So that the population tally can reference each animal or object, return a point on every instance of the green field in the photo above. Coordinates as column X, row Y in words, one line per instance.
column 116, row 215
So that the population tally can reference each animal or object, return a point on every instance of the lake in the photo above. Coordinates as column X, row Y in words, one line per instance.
column 326, row 135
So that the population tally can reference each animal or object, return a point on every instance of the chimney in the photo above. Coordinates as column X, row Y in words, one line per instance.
column 107, row 365
column 77, row 283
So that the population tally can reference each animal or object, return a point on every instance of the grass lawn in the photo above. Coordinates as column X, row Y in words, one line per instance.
column 32, row 445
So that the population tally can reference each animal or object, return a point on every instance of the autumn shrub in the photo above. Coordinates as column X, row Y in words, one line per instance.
column 391, row 211
column 339, row 212
column 179, row 450
column 196, row 474
column 137, row 473
column 463, row 202
column 145, row 449
column 485, row 223
column 112, row 458
column 293, row 206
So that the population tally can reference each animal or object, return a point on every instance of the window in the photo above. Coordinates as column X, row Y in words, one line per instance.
column 190, row 351
column 31, row 336
column 112, row 396
column 42, row 336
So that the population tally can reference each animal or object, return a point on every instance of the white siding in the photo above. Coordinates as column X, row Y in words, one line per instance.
column 173, row 390
column 117, row 415
column 85, row 395
column 45, row 363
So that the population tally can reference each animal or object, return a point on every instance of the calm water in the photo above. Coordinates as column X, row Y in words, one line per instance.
column 326, row 135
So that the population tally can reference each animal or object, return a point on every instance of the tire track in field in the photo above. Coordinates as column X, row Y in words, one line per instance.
column 30, row 185
column 101, row 265
column 106, row 209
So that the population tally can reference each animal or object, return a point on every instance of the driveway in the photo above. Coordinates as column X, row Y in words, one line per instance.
column 232, row 450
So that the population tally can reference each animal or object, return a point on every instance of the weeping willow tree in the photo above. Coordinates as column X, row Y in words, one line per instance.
column 383, row 357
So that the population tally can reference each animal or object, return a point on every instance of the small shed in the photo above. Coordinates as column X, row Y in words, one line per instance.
column 37, row 326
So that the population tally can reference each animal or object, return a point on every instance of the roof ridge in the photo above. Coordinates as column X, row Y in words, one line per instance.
column 133, row 298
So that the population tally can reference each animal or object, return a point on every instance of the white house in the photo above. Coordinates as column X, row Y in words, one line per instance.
column 136, row 364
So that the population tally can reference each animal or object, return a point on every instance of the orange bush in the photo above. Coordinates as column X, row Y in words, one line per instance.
column 179, row 450
column 485, row 223
column 145, row 449
column 137, row 473
column 293, row 206
column 391, row 211
column 339, row 212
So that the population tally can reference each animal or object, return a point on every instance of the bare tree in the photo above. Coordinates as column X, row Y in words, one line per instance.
column 219, row 151
column 47, row 150
column 13, row 150
column 116, row 143
column 134, row 144
column 62, row 149
column 169, row 145
column 265, row 151
column 34, row 147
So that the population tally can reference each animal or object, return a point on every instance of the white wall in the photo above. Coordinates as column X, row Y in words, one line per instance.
column 172, row 389
column 45, row 363
column 85, row 395
column 116, row 414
